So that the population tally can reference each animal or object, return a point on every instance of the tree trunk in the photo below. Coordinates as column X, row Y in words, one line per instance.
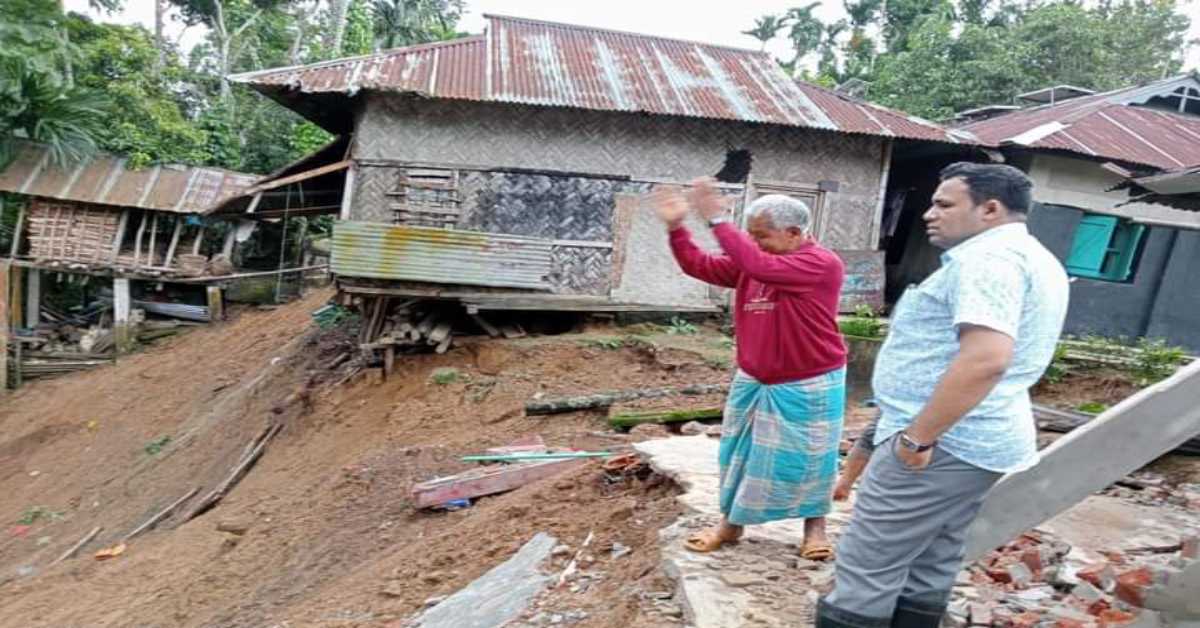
column 336, row 30
column 631, row 419
column 604, row 400
column 160, row 44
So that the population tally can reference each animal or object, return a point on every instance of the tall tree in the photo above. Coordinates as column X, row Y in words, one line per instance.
column 335, row 28
column 35, row 104
column 805, row 33
column 766, row 28
column 408, row 22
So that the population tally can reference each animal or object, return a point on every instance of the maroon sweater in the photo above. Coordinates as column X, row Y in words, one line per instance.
column 785, row 311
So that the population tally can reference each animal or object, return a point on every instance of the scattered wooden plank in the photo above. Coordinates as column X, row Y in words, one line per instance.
column 525, row 457
column 529, row 444
column 160, row 515
column 630, row 419
column 1063, row 421
column 87, row 538
column 239, row 470
column 512, row 331
column 487, row 481
column 606, row 399
column 487, row 327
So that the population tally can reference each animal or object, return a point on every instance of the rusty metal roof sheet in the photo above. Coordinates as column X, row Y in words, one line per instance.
column 426, row 254
column 1109, row 125
column 542, row 63
column 104, row 180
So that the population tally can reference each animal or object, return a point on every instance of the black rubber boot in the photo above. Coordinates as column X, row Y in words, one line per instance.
column 913, row 614
column 832, row 617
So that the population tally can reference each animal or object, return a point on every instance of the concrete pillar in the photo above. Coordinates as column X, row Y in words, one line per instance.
column 1127, row 437
column 122, row 333
column 216, row 304
column 33, row 298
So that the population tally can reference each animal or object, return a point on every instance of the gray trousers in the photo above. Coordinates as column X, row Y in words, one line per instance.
column 904, row 545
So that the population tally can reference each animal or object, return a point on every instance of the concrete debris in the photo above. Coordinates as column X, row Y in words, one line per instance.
column 497, row 597
column 1039, row 581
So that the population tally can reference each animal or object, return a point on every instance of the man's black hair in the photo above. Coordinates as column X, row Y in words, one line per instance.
column 993, row 181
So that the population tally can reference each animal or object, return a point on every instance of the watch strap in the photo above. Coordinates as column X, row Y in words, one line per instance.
column 913, row 445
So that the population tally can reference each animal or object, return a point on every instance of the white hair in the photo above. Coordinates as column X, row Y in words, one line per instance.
column 783, row 211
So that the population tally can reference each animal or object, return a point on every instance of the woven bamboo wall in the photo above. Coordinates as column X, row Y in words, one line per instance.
column 70, row 231
column 562, row 140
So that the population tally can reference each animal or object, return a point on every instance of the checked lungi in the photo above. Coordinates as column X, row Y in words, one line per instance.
column 779, row 447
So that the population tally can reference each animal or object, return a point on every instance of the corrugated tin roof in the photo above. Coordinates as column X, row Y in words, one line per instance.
column 1108, row 125
column 450, row 256
column 104, row 179
column 541, row 63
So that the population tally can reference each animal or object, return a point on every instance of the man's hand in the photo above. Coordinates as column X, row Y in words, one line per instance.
column 669, row 205
column 706, row 199
column 912, row 459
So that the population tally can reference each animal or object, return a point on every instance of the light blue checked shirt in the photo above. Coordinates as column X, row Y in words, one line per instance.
column 1003, row 279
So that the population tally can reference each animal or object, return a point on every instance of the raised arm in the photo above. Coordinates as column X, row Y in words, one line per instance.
column 715, row 269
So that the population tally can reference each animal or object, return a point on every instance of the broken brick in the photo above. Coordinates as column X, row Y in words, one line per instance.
column 1131, row 585
column 1027, row 619
column 1101, row 575
column 1115, row 617
column 1098, row 607
column 1069, row 623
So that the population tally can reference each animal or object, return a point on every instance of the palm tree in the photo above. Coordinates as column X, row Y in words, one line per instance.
column 36, row 105
column 409, row 22
column 766, row 28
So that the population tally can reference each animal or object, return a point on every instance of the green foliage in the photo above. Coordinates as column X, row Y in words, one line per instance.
column 37, row 105
column 332, row 315
column 1092, row 407
column 445, row 376
column 359, row 36
column 1059, row 368
column 864, row 324
column 150, row 125
column 154, row 447
column 938, row 57
column 1155, row 361
column 608, row 344
column 679, row 326
column 33, row 514
column 408, row 22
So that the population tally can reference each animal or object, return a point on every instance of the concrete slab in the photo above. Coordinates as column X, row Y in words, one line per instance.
column 498, row 596
column 759, row 582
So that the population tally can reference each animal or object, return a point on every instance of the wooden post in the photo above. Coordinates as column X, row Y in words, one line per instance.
column 16, row 241
column 121, row 304
column 227, row 249
column 15, row 309
column 122, row 224
column 216, row 305
column 137, row 244
column 153, row 240
column 199, row 239
column 174, row 241
column 33, row 298
column 4, row 274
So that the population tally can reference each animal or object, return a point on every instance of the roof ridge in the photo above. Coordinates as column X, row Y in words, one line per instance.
column 598, row 29
column 457, row 41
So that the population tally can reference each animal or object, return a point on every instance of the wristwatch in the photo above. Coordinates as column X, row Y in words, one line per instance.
column 908, row 443
column 712, row 222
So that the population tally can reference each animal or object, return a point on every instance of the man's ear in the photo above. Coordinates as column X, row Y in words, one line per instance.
column 994, row 210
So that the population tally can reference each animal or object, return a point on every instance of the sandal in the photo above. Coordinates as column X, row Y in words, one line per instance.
column 817, row 552
column 708, row 540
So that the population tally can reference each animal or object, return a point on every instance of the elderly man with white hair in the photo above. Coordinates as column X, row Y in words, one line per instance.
column 783, row 418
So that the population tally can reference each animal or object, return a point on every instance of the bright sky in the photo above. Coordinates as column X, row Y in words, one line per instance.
column 718, row 22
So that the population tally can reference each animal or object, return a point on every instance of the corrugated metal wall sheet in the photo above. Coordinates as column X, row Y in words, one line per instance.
column 448, row 256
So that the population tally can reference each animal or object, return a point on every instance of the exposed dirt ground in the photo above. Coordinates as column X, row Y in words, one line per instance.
column 332, row 539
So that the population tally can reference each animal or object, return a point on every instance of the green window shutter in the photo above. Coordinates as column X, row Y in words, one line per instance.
column 1091, row 246
column 1124, row 246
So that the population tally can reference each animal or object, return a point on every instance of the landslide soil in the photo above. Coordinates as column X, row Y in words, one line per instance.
column 330, row 536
